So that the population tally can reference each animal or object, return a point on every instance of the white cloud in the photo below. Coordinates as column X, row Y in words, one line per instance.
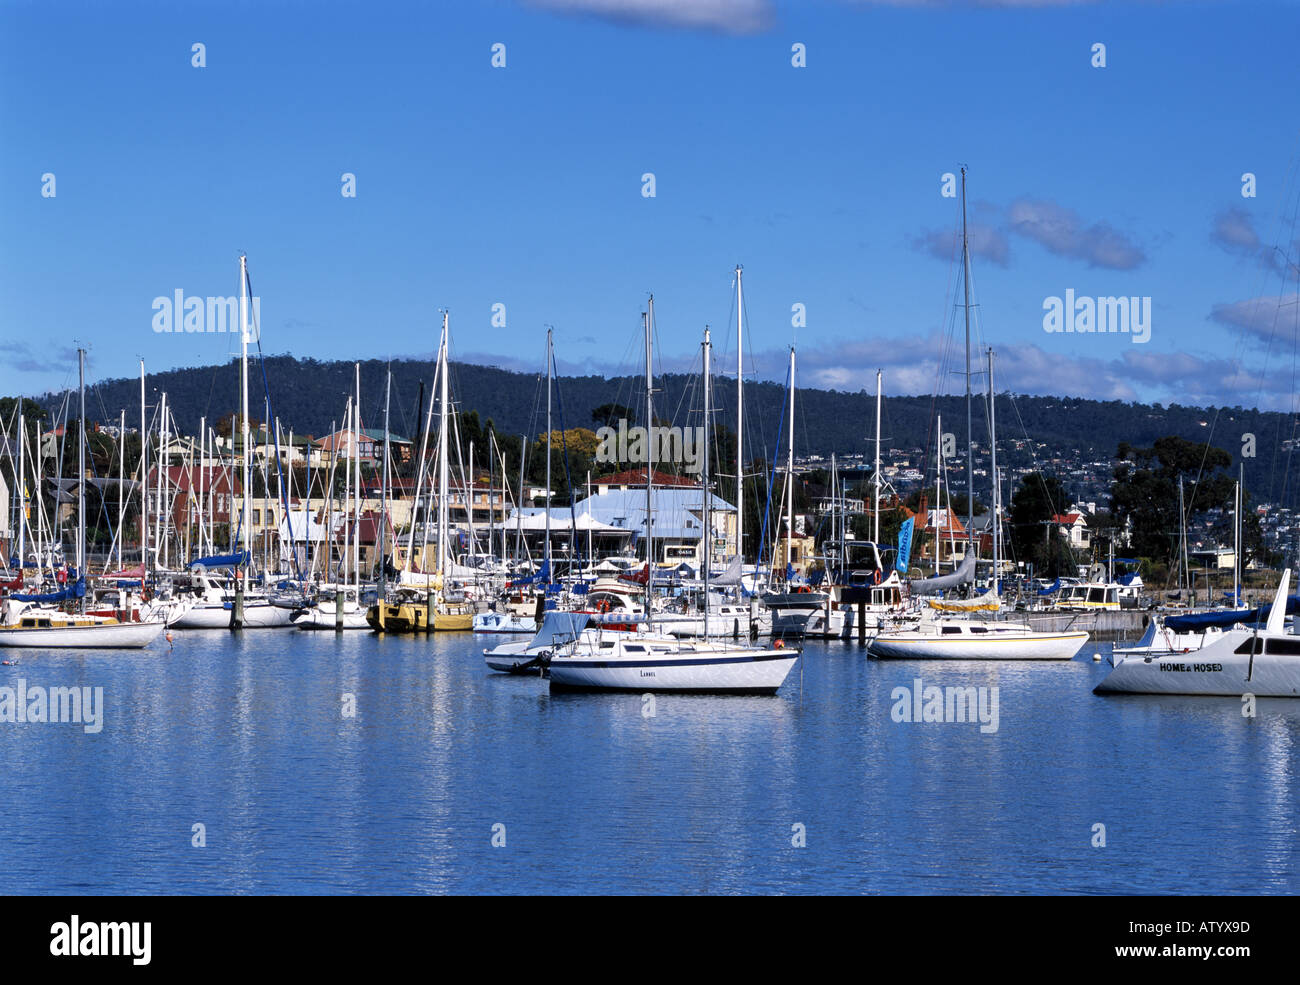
column 1061, row 231
column 725, row 16
column 1099, row 367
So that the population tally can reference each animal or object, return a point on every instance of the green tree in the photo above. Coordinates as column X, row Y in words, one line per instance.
column 1034, row 538
column 1145, row 489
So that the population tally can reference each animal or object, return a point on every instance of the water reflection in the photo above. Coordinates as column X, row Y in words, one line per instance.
column 246, row 734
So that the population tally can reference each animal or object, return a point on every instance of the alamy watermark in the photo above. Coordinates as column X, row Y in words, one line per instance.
column 642, row 446
column 922, row 703
column 1130, row 316
column 23, row 705
column 195, row 315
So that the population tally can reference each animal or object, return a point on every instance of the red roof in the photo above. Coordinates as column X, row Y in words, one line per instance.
column 946, row 520
column 1068, row 518
column 636, row 477
column 186, row 479
column 367, row 528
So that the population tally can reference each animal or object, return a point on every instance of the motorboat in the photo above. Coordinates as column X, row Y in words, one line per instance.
column 1263, row 661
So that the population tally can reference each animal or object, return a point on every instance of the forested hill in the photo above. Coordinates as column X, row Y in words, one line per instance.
column 309, row 396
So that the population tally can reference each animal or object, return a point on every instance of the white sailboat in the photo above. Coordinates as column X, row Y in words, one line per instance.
column 956, row 637
column 49, row 627
column 325, row 613
column 235, row 605
column 653, row 661
column 1262, row 661
column 428, row 602
column 339, row 607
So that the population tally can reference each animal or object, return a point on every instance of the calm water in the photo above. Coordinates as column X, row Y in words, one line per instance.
column 245, row 734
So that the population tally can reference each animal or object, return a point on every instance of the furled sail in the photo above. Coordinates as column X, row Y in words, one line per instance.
column 928, row 586
column 988, row 602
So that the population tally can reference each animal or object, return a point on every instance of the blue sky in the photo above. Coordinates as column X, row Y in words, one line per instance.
column 522, row 185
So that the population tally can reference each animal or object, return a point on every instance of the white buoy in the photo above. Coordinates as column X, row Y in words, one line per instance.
column 1096, row 658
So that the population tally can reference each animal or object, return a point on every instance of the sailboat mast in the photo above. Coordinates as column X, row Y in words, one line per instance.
column 22, row 493
column 1182, row 537
column 789, row 475
column 443, row 531
column 740, row 417
column 159, row 532
column 707, row 535
column 970, row 441
column 938, row 489
column 1236, row 536
column 648, row 316
column 121, row 487
column 519, row 509
column 349, row 425
column 247, row 479
column 546, row 553
column 875, row 510
column 356, row 488
column 836, row 539
column 81, row 472
column 383, row 509
column 993, row 464
column 144, row 485
column 492, row 495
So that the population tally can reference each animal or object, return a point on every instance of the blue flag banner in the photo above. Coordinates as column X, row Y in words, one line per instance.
column 904, row 545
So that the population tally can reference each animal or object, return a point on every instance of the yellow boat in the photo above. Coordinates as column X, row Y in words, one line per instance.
column 411, row 615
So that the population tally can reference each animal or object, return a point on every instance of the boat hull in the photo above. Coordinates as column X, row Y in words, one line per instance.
column 326, row 620
column 257, row 615
column 1215, row 670
column 108, row 636
column 498, row 622
column 408, row 617
column 738, row 672
column 923, row 646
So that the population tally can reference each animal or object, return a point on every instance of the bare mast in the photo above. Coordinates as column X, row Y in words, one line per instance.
column 707, row 536
column 247, row 476
column 648, row 316
column 970, row 442
column 740, row 417
column 875, row 537
column 789, row 475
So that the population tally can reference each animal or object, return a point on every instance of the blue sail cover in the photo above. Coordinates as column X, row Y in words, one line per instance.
column 559, row 627
column 542, row 574
column 1051, row 589
column 1228, row 617
column 222, row 560
column 73, row 591
column 904, row 545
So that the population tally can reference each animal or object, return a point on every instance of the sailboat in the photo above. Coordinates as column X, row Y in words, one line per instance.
column 434, row 608
column 1263, row 661
column 234, row 603
column 650, row 661
column 36, row 621
column 964, row 637
column 338, row 606
column 865, row 585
